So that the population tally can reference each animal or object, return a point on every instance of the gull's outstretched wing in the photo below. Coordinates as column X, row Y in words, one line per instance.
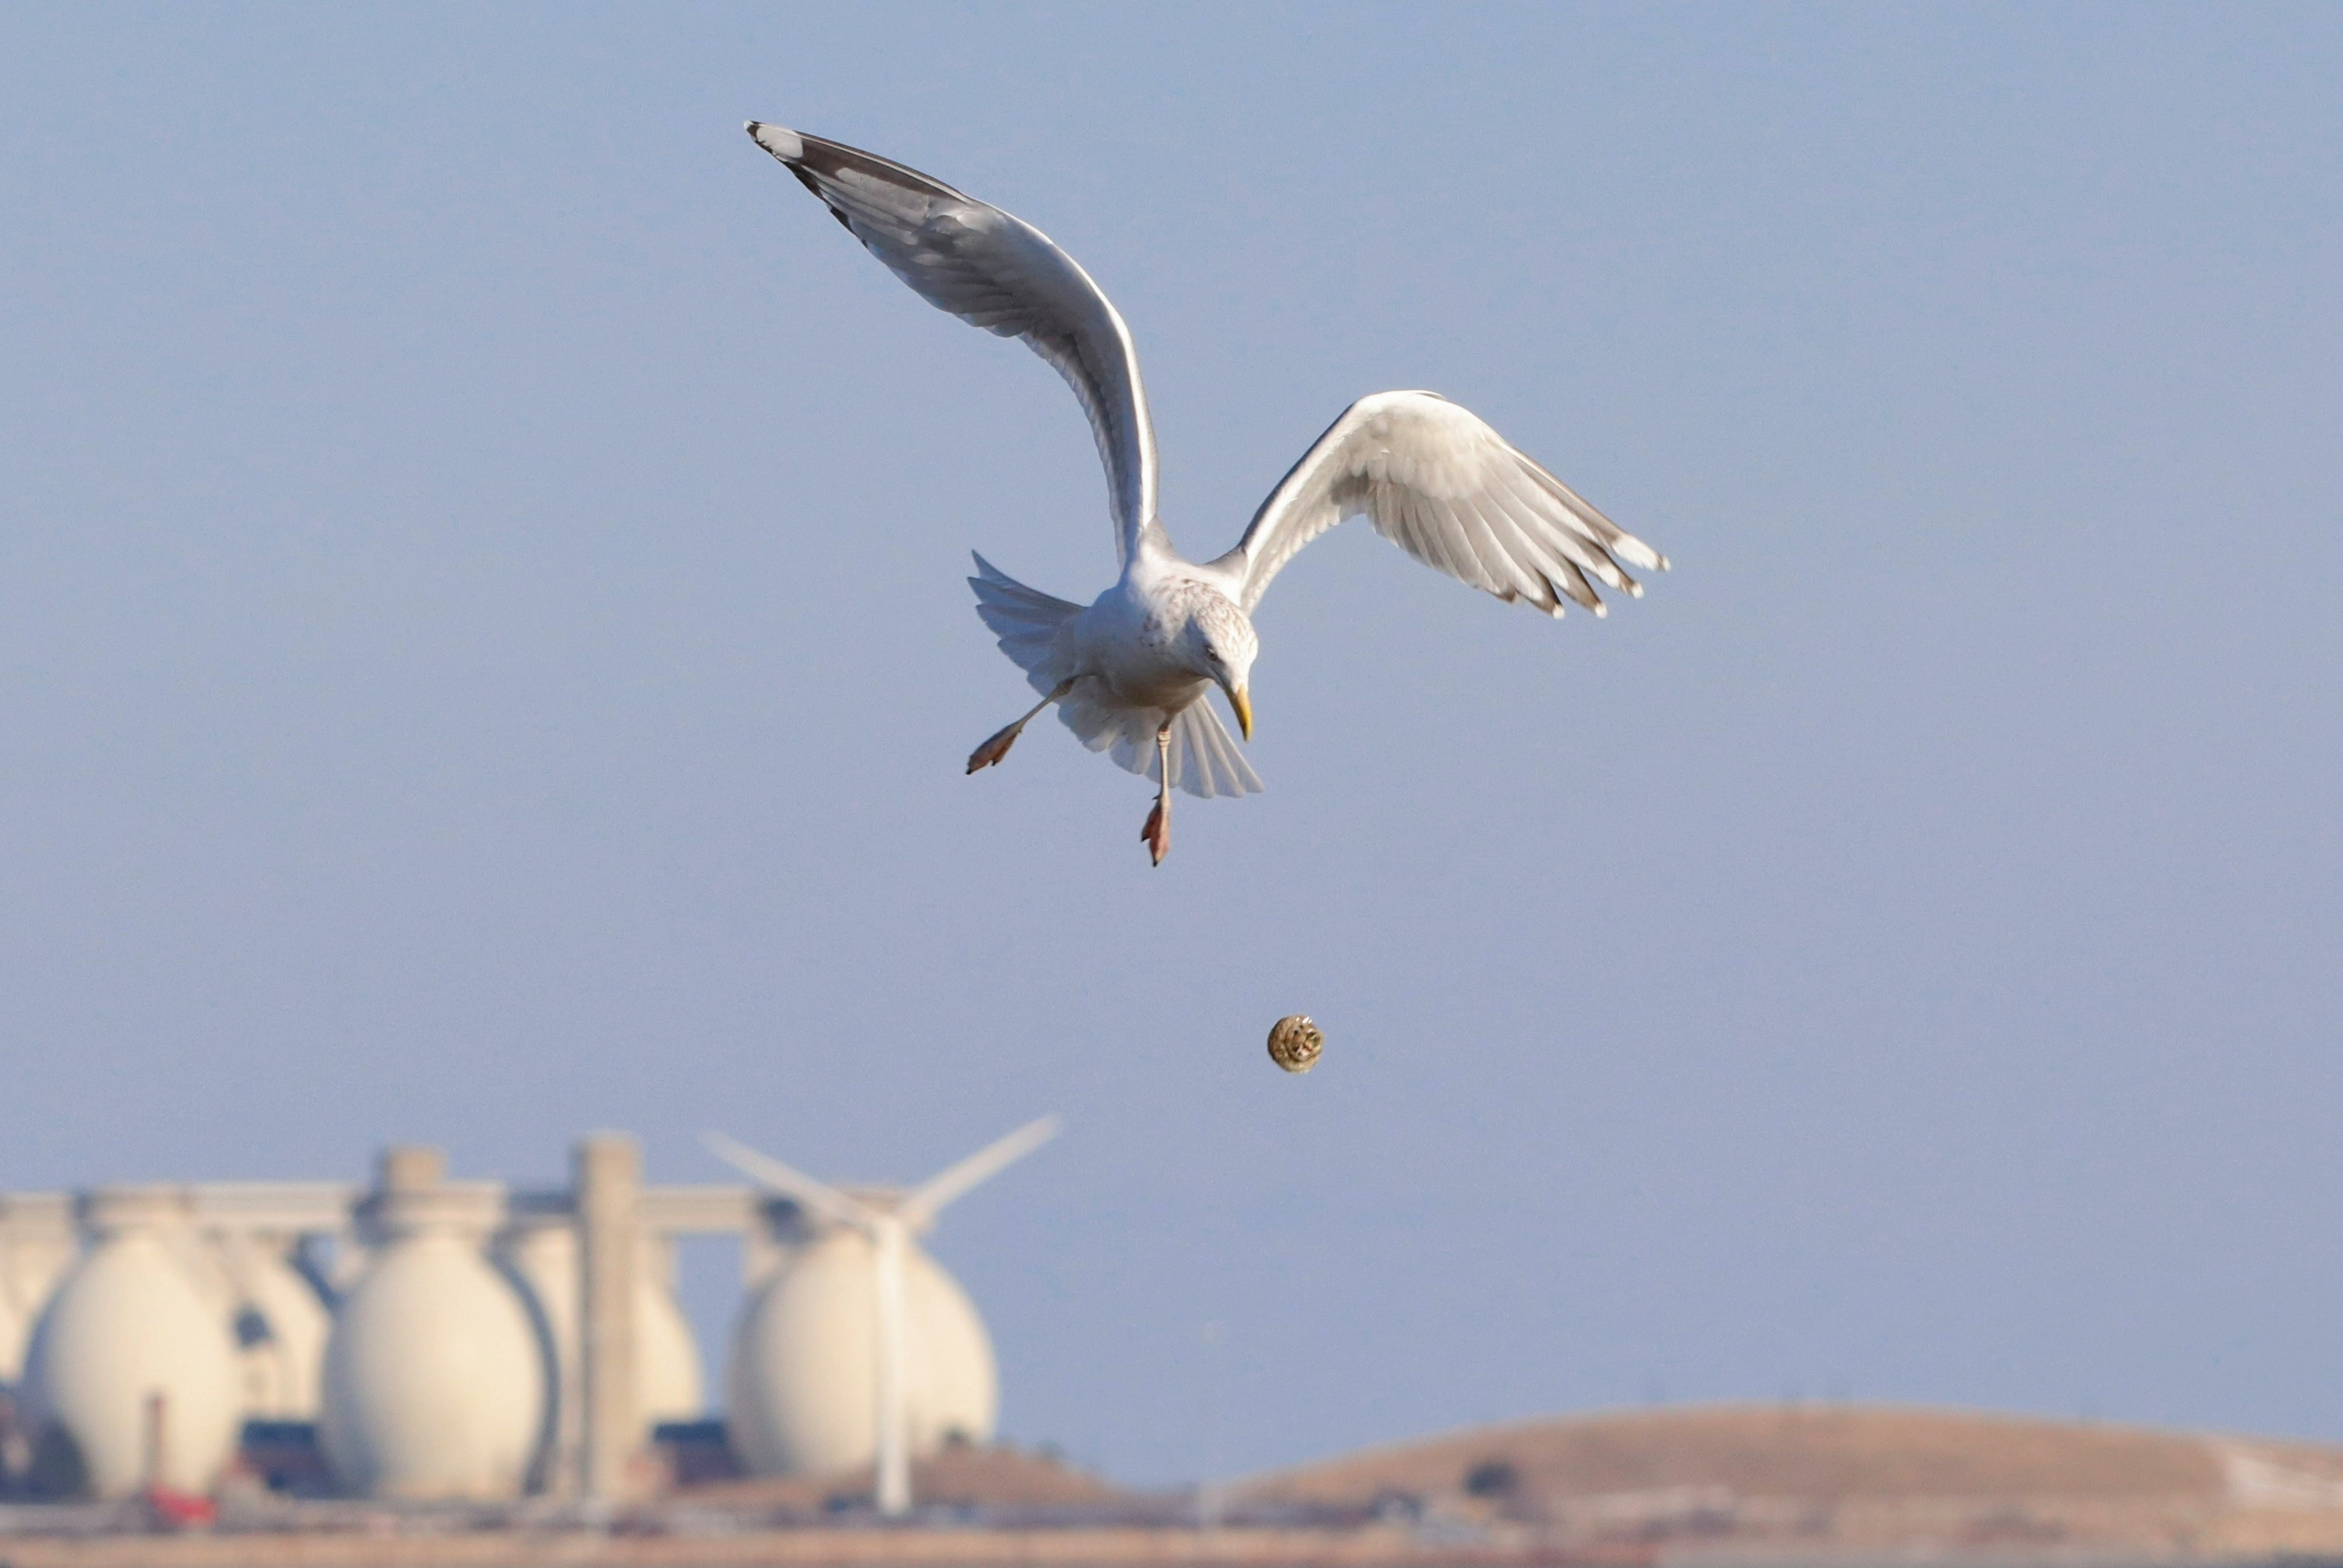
column 1450, row 491
column 1000, row 273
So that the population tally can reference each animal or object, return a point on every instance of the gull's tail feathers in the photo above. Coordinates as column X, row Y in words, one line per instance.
column 1026, row 620
column 1204, row 758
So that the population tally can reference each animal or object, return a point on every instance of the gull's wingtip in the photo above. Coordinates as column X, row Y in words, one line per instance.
column 779, row 140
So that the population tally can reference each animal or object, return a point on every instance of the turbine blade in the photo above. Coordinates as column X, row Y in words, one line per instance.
column 927, row 1199
column 771, row 1173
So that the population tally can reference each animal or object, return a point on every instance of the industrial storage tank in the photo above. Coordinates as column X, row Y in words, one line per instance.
column 671, row 1380
column 16, row 1318
column 280, row 1324
column 131, row 1377
column 36, row 1247
column 802, row 1382
column 434, row 1378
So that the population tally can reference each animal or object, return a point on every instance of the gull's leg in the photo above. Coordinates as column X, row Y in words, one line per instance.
column 1157, row 834
column 994, row 750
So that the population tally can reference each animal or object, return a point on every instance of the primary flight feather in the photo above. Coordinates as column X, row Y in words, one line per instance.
column 1131, row 670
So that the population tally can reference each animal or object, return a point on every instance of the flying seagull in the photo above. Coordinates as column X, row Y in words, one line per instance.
column 1131, row 670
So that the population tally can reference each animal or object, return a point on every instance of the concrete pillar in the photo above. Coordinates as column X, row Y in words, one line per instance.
column 411, row 1166
column 401, row 1167
column 609, row 1178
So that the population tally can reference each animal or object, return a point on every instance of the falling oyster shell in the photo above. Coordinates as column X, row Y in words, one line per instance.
column 1294, row 1043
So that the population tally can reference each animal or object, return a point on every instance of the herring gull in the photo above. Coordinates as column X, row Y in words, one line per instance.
column 1130, row 672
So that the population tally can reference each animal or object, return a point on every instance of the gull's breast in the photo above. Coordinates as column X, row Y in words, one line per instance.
column 1144, row 673
column 1135, row 650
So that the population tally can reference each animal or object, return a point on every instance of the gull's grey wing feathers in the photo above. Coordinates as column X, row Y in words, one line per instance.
column 1439, row 483
column 1000, row 273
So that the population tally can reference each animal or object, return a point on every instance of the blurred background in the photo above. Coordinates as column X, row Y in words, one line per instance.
column 484, row 655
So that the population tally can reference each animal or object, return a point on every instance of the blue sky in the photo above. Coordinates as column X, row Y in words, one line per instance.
column 486, row 658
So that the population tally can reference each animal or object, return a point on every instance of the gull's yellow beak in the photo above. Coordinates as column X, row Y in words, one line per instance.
column 1242, row 700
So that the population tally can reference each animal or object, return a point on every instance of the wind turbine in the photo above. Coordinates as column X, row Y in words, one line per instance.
column 889, row 1221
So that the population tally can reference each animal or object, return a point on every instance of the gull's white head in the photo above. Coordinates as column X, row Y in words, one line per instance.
column 1221, row 642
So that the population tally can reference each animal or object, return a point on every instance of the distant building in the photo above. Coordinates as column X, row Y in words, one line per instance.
column 434, row 1339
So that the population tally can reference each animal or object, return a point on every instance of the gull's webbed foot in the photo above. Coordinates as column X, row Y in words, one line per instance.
column 1157, row 834
column 997, row 748
column 994, row 750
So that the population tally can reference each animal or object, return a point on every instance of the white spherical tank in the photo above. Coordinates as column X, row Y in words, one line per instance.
column 131, row 1360
column 434, row 1378
column 15, row 1333
column 542, row 1259
column 36, row 1247
column 671, row 1382
column 281, row 1326
column 801, row 1385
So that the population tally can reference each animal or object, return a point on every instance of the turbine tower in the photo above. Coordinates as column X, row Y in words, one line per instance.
column 889, row 1221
